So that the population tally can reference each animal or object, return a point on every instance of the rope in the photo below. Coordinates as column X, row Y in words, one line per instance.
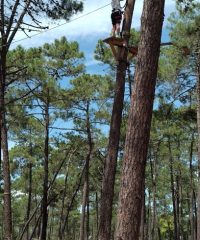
column 84, row 15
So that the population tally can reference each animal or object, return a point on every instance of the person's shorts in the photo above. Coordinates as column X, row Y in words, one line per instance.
column 116, row 17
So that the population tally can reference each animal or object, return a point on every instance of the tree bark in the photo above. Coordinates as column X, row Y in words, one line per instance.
column 60, row 235
column 30, row 170
column 198, row 126
column 143, row 218
column 153, row 165
column 192, row 225
column 7, row 183
column 105, row 213
column 173, row 191
column 84, row 203
column 139, row 122
column 7, row 209
column 83, row 233
column 44, row 210
column 30, row 165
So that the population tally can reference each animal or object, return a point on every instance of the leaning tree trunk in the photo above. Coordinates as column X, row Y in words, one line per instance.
column 139, row 122
column 114, row 136
column 70, row 204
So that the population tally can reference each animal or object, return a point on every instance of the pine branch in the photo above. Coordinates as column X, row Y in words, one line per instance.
column 14, row 73
column 10, row 39
column 25, row 95
column 14, row 10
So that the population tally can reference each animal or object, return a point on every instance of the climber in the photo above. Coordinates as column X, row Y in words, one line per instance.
column 116, row 17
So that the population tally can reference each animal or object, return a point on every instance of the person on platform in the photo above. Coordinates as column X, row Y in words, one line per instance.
column 116, row 17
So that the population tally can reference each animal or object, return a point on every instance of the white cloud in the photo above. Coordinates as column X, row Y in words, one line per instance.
column 87, row 24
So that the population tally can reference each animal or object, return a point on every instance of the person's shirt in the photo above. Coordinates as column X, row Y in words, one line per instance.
column 116, row 5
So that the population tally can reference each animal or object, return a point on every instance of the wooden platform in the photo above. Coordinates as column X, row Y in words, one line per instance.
column 115, row 42
column 119, row 42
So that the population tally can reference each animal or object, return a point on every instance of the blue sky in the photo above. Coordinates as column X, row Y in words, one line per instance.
column 88, row 29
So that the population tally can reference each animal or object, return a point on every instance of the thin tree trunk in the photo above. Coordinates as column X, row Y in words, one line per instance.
column 71, row 203
column 108, row 181
column 154, row 191
column 139, row 122
column 88, row 219
column 30, row 165
column 37, row 225
column 179, row 195
column 195, row 215
column 1, row 172
column 62, row 208
column 83, row 233
column 84, row 203
column 7, row 183
column 44, row 210
column 51, row 225
column 192, row 225
column 7, row 209
column 97, row 212
column 148, row 217
column 178, row 200
column 198, row 126
column 173, row 191
column 38, row 205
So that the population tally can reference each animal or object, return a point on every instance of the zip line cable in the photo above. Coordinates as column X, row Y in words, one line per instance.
column 72, row 20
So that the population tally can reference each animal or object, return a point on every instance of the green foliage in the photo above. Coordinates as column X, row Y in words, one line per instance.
column 54, row 75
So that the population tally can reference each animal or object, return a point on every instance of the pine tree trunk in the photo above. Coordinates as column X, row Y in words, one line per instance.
column 192, row 225
column 177, row 195
column 30, row 165
column 7, row 183
column 1, row 172
column 62, row 208
column 153, row 164
column 139, row 122
column 173, row 191
column 148, row 217
column 70, row 205
column 88, row 219
column 198, row 126
column 84, row 203
column 44, row 210
column 97, row 212
column 114, row 135
column 142, row 224
column 7, row 209
column 83, row 226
